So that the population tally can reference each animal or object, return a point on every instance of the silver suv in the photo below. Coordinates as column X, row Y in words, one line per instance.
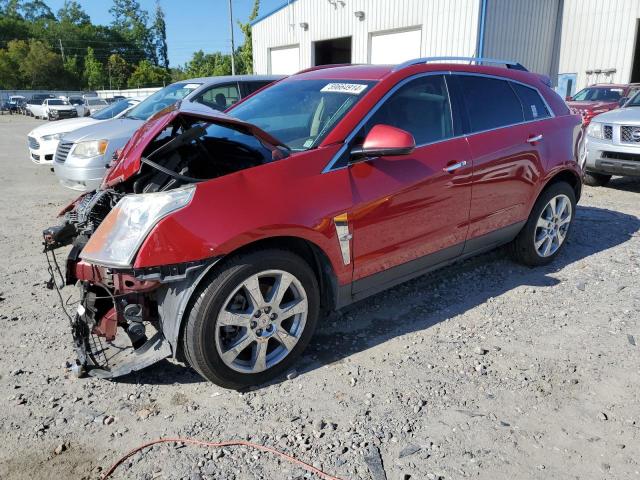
column 612, row 144
column 82, row 156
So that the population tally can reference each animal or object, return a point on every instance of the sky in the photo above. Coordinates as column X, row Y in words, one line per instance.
column 191, row 24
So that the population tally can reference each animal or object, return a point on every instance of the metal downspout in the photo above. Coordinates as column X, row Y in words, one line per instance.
column 483, row 21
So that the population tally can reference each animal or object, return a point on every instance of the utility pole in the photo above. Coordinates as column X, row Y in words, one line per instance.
column 233, row 62
column 61, row 49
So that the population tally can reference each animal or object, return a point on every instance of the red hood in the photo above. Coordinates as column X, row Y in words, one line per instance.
column 128, row 162
column 592, row 105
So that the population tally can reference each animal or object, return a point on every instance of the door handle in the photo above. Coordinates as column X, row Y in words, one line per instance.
column 535, row 139
column 455, row 166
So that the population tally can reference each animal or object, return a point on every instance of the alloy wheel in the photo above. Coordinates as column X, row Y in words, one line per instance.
column 553, row 225
column 261, row 321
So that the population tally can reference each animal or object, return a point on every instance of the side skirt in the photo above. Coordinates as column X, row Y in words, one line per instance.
column 365, row 287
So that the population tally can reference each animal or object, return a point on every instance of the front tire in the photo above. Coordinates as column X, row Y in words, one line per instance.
column 546, row 231
column 596, row 179
column 252, row 318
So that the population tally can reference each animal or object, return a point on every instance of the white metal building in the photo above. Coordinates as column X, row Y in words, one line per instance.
column 575, row 42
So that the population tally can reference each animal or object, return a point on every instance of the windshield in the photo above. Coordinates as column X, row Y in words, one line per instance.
column 112, row 110
column 58, row 102
column 161, row 99
column 301, row 113
column 97, row 101
column 599, row 94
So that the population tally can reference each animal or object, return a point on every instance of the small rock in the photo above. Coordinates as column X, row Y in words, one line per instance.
column 481, row 369
column 603, row 416
column 353, row 381
column 408, row 450
column 581, row 286
column 59, row 449
column 108, row 420
column 480, row 351
column 632, row 340
column 144, row 413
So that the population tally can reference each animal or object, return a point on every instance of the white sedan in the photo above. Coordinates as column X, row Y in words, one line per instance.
column 43, row 140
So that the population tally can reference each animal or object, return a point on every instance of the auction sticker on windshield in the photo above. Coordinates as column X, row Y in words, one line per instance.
column 353, row 88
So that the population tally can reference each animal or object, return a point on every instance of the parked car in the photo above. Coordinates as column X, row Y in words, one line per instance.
column 600, row 98
column 43, row 140
column 93, row 104
column 612, row 144
column 83, row 155
column 34, row 104
column 15, row 103
column 58, row 109
column 115, row 98
column 222, row 237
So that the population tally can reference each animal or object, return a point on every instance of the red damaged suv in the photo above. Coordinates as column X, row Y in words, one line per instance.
column 218, row 239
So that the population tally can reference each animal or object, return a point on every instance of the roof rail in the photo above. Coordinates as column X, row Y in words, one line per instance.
column 418, row 61
column 322, row 67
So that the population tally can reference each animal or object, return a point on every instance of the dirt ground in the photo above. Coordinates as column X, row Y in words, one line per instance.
column 486, row 370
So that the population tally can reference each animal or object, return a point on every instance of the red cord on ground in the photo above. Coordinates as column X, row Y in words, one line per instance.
column 233, row 443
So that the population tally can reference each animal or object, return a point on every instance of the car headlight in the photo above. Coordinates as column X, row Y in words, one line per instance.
column 90, row 149
column 118, row 238
column 54, row 136
column 595, row 130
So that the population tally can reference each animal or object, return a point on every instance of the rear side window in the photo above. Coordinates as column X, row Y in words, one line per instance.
column 532, row 105
column 251, row 87
column 491, row 103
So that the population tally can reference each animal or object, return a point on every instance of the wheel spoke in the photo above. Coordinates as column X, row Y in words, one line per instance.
column 541, row 241
column 287, row 340
column 561, row 206
column 230, row 355
column 280, row 288
column 236, row 319
column 552, row 205
column 543, row 223
column 293, row 308
column 565, row 220
column 260, row 357
column 252, row 286
column 547, row 247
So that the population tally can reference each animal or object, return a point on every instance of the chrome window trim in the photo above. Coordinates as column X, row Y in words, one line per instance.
column 329, row 167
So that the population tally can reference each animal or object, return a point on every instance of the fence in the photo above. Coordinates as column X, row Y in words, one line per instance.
column 131, row 92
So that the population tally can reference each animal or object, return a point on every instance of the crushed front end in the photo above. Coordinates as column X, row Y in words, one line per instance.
column 129, row 312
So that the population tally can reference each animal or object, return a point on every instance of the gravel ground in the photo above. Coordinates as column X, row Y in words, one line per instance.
column 487, row 369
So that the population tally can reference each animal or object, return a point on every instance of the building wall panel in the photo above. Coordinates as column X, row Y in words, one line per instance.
column 598, row 34
column 522, row 30
column 449, row 27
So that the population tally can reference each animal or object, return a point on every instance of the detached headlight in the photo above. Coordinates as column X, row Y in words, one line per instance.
column 595, row 130
column 55, row 136
column 118, row 238
column 90, row 149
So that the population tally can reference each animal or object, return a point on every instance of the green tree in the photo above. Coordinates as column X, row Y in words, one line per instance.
column 160, row 36
column 130, row 20
column 73, row 76
column 93, row 70
column 72, row 12
column 148, row 75
column 10, row 60
column 42, row 68
column 208, row 64
column 10, row 8
column 118, row 71
column 36, row 10
column 244, row 54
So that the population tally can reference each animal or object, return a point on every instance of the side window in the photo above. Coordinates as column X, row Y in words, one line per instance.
column 491, row 103
column 421, row 107
column 533, row 106
column 250, row 87
column 220, row 97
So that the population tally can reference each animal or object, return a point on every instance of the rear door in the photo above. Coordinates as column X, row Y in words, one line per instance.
column 410, row 212
column 507, row 145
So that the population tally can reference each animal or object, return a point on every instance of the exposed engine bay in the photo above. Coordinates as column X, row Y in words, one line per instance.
column 123, row 314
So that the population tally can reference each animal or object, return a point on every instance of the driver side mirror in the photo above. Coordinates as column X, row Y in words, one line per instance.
column 385, row 140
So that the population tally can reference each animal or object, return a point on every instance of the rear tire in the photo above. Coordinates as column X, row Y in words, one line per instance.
column 596, row 179
column 252, row 319
column 548, row 226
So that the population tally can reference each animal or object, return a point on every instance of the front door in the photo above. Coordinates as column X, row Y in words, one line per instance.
column 411, row 212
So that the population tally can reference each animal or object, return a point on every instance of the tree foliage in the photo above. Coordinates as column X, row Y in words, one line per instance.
column 41, row 50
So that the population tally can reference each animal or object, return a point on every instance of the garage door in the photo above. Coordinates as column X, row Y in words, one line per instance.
column 395, row 47
column 285, row 61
